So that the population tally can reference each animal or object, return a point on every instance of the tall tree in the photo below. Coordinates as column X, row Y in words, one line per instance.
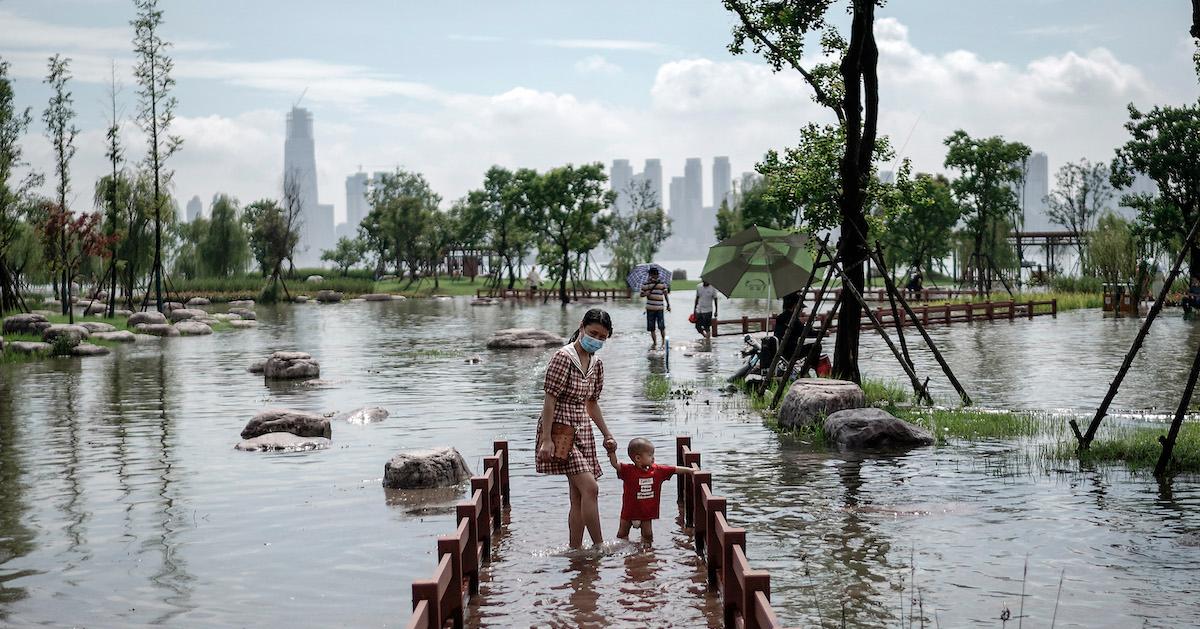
column 1113, row 250
column 115, row 154
column 224, row 247
column 59, row 117
column 501, row 206
column 925, row 233
column 346, row 253
column 13, row 192
column 780, row 32
column 402, row 203
column 569, row 201
column 636, row 235
column 1081, row 193
column 156, row 112
column 989, row 169
column 1164, row 145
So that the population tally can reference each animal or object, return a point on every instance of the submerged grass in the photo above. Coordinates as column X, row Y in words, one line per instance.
column 1136, row 447
column 657, row 387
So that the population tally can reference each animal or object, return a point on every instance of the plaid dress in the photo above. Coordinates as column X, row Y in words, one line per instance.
column 566, row 381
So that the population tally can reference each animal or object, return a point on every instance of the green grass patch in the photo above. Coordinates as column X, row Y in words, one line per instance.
column 884, row 392
column 657, row 387
column 1135, row 447
column 972, row 424
column 1066, row 300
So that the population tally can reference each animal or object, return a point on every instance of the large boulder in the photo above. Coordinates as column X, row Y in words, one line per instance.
column 298, row 423
column 96, row 308
column 27, row 347
column 227, row 316
column 243, row 303
column 75, row 333
column 425, row 469
column 377, row 297
column 183, row 314
column 524, row 338
column 291, row 366
column 198, row 301
column 257, row 366
column 118, row 336
column 314, row 279
column 244, row 313
column 150, row 316
column 873, row 428
column 30, row 323
column 96, row 326
column 239, row 324
column 282, row 442
column 364, row 415
column 172, row 305
column 811, row 399
column 87, row 349
column 156, row 329
column 328, row 296
column 192, row 328
column 121, row 312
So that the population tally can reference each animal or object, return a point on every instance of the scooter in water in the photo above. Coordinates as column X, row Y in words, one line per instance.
column 758, row 353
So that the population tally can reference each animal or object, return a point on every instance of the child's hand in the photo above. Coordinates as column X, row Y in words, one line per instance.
column 610, row 444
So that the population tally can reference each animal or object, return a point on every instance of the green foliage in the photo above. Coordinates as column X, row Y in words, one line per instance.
column 946, row 423
column 503, row 208
column 657, row 387
column 345, row 254
column 568, row 204
column 402, row 205
column 1135, row 447
column 273, row 233
column 134, row 248
column 1081, row 194
column 924, row 233
column 1164, row 145
column 62, row 345
column 1112, row 251
column 225, row 249
column 635, row 237
column 1069, row 284
column 14, row 193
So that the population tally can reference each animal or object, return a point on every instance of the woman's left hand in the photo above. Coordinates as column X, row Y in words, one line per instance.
column 610, row 444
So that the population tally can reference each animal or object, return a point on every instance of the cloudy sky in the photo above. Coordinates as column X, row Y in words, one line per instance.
column 449, row 88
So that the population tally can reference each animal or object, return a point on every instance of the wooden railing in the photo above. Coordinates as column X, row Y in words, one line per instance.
column 552, row 293
column 745, row 593
column 442, row 599
column 929, row 315
column 880, row 294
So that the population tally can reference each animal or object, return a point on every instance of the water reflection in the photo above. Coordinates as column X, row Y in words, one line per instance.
column 16, row 539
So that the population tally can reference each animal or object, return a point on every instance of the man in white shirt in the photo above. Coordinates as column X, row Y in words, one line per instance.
column 705, row 308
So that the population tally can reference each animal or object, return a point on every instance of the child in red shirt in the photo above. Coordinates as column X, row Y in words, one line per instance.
column 643, row 485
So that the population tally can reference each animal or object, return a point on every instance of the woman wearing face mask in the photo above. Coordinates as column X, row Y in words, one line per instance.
column 574, row 380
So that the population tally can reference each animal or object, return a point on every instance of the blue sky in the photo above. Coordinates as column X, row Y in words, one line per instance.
column 450, row 88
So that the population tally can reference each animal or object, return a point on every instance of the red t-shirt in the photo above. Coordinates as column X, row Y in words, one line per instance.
column 642, row 488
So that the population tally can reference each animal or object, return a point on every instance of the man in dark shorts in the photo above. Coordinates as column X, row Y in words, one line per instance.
column 658, row 303
column 705, row 308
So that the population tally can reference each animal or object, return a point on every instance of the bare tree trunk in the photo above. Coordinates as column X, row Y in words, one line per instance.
column 562, row 287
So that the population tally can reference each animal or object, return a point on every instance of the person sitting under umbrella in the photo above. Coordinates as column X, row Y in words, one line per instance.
column 791, row 302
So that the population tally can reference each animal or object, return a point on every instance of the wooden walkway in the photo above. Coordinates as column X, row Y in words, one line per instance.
column 745, row 593
column 928, row 315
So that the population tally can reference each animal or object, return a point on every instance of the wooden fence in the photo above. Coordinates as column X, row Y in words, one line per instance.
column 745, row 593
column 442, row 599
column 880, row 294
column 552, row 293
column 929, row 315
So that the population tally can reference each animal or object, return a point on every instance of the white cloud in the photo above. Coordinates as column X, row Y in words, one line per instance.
column 597, row 64
column 627, row 45
column 1059, row 30
column 26, row 33
column 325, row 82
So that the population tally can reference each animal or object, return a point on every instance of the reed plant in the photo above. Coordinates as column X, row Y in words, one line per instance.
column 657, row 387
column 1135, row 447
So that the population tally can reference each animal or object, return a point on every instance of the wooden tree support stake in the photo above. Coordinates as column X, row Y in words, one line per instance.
column 937, row 354
column 1168, row 442
column 1085, row 439
column 791, row 324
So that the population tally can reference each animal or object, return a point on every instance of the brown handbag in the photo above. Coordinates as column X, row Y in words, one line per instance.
column 563, row 437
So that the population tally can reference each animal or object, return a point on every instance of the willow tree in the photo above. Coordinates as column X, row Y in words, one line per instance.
column 780, row 32
column 569, row 202
column 59, row 117
column 13, row 191
column 156, row 111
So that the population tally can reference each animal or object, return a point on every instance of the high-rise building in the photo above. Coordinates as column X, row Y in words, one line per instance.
column 356, row 200
column 722, row 183
column 618, row 181
column 652, row 172
column 694, row 187
column 1032, row 194
column 300, row 178
column 679, row 210
column 195, row 208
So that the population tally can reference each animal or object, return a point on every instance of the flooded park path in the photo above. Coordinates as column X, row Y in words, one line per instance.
column 125, row 504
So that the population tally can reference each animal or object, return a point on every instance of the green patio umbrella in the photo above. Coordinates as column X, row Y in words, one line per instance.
column 758, row 262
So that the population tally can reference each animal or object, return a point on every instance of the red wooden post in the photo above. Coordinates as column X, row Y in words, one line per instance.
column 680, row 444
column 745, row 325
column 431, row 591
column 990, row 311
column 1054, row 307
column 452, row 600
column 491, row 467
column 715, row 507
column 480, row 484
column 471, row 556
column 970, row 313
column 701, row 484
column 1030, row 309
column 501, row 449
column 690, row 459
column 420, row 617
column 1012, row 309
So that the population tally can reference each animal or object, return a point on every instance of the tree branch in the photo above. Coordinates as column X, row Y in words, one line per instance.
column 758, row 35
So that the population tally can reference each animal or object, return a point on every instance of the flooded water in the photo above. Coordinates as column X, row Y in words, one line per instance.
column 123, row 503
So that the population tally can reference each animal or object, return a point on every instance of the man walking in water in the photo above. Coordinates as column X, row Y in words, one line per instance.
column 658, row 299
column 705, row 308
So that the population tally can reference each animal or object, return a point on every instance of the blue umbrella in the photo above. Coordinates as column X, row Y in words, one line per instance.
column 638, row 276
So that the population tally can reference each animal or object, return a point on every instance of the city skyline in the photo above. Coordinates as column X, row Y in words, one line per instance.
column 507, row 89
